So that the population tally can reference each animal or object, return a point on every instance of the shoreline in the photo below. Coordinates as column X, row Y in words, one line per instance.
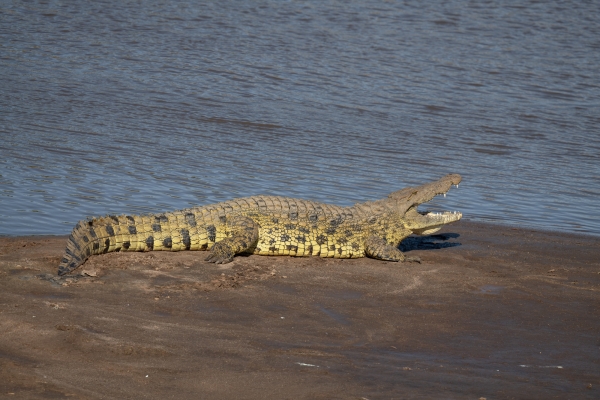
column 492, row 311
column 479, row 222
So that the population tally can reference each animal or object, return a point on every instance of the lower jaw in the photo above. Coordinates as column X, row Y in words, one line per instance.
column 426, row 231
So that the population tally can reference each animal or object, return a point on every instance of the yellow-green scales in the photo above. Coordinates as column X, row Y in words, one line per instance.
column 268, row 225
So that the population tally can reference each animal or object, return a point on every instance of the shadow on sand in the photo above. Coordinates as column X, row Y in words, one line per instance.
column 431, row 242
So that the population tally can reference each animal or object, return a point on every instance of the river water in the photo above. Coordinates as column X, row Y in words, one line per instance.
column 133, row 107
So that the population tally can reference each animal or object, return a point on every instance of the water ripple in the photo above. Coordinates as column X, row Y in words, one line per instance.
column 125, row 108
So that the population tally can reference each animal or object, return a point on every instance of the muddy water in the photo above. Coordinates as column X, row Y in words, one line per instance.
column 121, row 107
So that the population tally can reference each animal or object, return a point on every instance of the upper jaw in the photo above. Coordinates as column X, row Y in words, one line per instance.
column 413, row 196
column 442, row 186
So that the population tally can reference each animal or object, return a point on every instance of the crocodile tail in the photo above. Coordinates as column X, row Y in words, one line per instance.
column 125, row 233
column 98, row 236
column 77, row 250
column 170, row 231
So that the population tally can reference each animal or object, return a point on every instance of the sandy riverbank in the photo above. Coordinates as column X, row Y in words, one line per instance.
column 491, row 312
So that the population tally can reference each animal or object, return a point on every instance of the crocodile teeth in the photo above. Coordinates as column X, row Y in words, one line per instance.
column 444, row 194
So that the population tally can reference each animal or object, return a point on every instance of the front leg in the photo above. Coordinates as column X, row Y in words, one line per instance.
column 243, row 235
column 376, row 247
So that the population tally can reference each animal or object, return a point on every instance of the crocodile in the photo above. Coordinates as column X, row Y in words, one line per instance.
column 269, row 225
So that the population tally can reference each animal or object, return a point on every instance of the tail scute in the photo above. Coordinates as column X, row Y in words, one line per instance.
column 77, row 250
column 169, row 231
column 102, row 235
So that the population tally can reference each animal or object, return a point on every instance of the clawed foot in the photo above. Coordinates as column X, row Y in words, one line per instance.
column 412, row 259
column 220, row 253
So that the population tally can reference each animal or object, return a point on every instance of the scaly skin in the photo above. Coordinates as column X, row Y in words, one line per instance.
column 268, row 225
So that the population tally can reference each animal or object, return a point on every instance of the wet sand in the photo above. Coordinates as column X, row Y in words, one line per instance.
column 492, row 311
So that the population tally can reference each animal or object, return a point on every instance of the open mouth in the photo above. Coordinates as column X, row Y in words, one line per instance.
column 431, row 221
column 409, row 199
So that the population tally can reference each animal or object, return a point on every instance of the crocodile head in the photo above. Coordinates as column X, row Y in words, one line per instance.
column 426, row 223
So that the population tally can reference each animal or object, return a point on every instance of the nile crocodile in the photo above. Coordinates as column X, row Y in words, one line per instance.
column 269, row 225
